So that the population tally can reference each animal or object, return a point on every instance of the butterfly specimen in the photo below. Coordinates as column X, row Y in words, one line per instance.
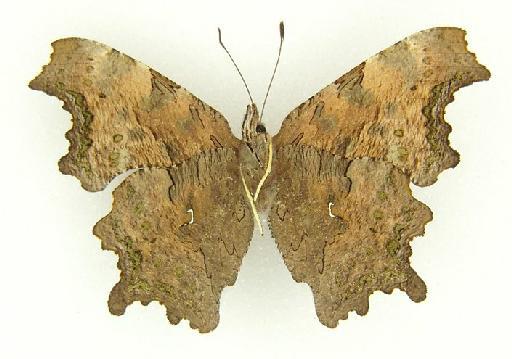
column 334, row 181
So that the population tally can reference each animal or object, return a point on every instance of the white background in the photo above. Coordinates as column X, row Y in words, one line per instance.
column 55, row 279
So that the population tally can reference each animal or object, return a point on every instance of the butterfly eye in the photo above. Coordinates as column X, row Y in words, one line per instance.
column 260, row 128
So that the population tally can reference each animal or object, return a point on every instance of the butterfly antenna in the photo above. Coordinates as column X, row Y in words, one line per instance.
column 281, row 33
column 234, row 63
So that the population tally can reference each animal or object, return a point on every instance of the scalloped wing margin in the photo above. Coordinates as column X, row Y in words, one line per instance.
column 125, row 115
column 180, row 235
column 391, row 107
column 344, row 227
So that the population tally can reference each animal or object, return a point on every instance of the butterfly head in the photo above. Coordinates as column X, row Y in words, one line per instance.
column 254, row 151
column 254, row 132
column 252, row 126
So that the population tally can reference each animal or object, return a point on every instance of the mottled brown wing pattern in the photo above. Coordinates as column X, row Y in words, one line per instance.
column 391, row 107
column 344, row 227
column 343, row 213
column 339, row 172
column 180, row 234
column 181, row 223
column 125, row 115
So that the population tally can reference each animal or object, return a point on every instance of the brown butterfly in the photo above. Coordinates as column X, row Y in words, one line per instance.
column 334, row 180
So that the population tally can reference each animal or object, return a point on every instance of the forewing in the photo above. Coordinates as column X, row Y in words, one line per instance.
column 344, row 227
column 125, row 115
column 180, row 235
column 391, row 107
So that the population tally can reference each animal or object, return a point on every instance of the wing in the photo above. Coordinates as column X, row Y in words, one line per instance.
column 391, row 107
column 181, row 225
column 125, row 115
column 343, row 213
column 180, row 235
column 344, row 226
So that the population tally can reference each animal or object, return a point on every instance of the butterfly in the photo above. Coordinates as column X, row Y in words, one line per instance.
column 334, row 181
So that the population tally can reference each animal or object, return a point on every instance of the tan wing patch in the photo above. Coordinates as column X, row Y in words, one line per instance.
column 125, row 115
column 344, row 228
column 180, row 235
column 391, row 107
